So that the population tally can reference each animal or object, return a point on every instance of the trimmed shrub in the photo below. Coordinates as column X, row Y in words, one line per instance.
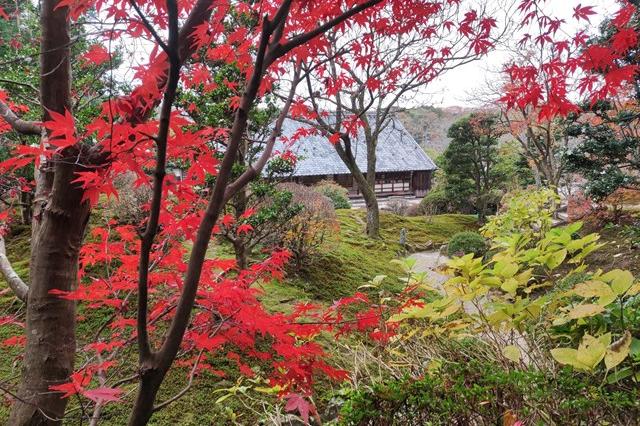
column 307, row 232
column 338, row 195
column 467, row 242
column 436, row 202
column 399, row 207
column 414, row 210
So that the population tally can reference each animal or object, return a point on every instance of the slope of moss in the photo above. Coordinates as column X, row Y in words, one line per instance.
column 351, row 259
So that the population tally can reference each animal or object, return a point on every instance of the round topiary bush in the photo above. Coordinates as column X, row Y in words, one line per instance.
column 467, row 242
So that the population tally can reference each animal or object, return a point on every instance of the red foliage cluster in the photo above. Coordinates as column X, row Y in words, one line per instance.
column 229, row 322
column 573, row 62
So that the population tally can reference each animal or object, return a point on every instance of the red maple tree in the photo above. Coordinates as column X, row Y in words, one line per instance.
column 161, row 291
column 185, row 303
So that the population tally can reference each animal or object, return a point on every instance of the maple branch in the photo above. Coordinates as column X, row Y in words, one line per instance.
column 200, row 14
column 185, row 389
column 149, row 27
column 256, row 168
column 97, row 409
column 15, row 282
column 24, row 401
column 20, row 83
column 180, row 321
column 196, row 260
column 308, row 36
column 17, row 124
column 279, row 21
column 158, row 181
column 156, row 365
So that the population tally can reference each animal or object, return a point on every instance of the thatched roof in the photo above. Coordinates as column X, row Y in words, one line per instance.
column 397, row 151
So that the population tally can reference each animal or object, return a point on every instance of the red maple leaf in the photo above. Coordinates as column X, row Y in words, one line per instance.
column 79, row 380
column 228, row 220
column 298, row 403
column 96, row 55
column 103, row 394
column 334, row 138
column 245, row 228
column 583, row 12
column 62, row 129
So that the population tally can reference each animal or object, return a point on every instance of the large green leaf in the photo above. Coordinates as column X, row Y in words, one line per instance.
column 595, row 288
column 512, row 353
column 620, row 280
column 618, row 351
column 592, row 350
column 567, row 356
column 555, row 259
column 584, row 311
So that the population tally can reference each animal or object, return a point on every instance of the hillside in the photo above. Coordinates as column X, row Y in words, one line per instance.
column 429, row 125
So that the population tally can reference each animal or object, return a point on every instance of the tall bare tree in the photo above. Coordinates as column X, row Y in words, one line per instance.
column 359, row 80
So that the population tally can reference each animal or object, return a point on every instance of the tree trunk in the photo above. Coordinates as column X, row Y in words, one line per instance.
column 373, row 212
column 59, row 223
column 240, row 249
column 50, row 323
column 366, row 184
column 482, row 210
column 149, row 387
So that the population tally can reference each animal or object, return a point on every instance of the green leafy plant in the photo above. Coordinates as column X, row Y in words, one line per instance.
column 534, row 300
column 338, row 195
column 526, row 212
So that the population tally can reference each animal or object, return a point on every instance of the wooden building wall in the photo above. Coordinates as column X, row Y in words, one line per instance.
column 415, row 183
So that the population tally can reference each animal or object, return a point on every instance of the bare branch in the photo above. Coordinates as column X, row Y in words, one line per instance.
column 15, row 282
column 149, row 27
column 17, row 124
column 184, row 390
column 158, row 181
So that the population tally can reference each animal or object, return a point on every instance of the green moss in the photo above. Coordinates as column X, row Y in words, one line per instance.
column 351, row 259
column 18, row 244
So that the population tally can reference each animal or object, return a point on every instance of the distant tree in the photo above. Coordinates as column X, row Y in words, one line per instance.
column 541, row 143
column 257, row 211
column 361, row 78
column 262, row 213
column 471, row 162
column 608, row 131
column 543, row 84
column 607, row 155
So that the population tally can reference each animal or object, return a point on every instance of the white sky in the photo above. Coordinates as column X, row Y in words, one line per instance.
column 455, row 87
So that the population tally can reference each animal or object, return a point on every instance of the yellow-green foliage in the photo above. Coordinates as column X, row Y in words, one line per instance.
column 521, row 291
column 525, row 212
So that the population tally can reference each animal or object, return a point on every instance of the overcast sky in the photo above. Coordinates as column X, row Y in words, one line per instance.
column 456, row 87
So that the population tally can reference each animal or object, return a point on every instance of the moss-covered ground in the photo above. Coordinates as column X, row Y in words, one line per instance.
column 347, row 261
column 352, row 259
